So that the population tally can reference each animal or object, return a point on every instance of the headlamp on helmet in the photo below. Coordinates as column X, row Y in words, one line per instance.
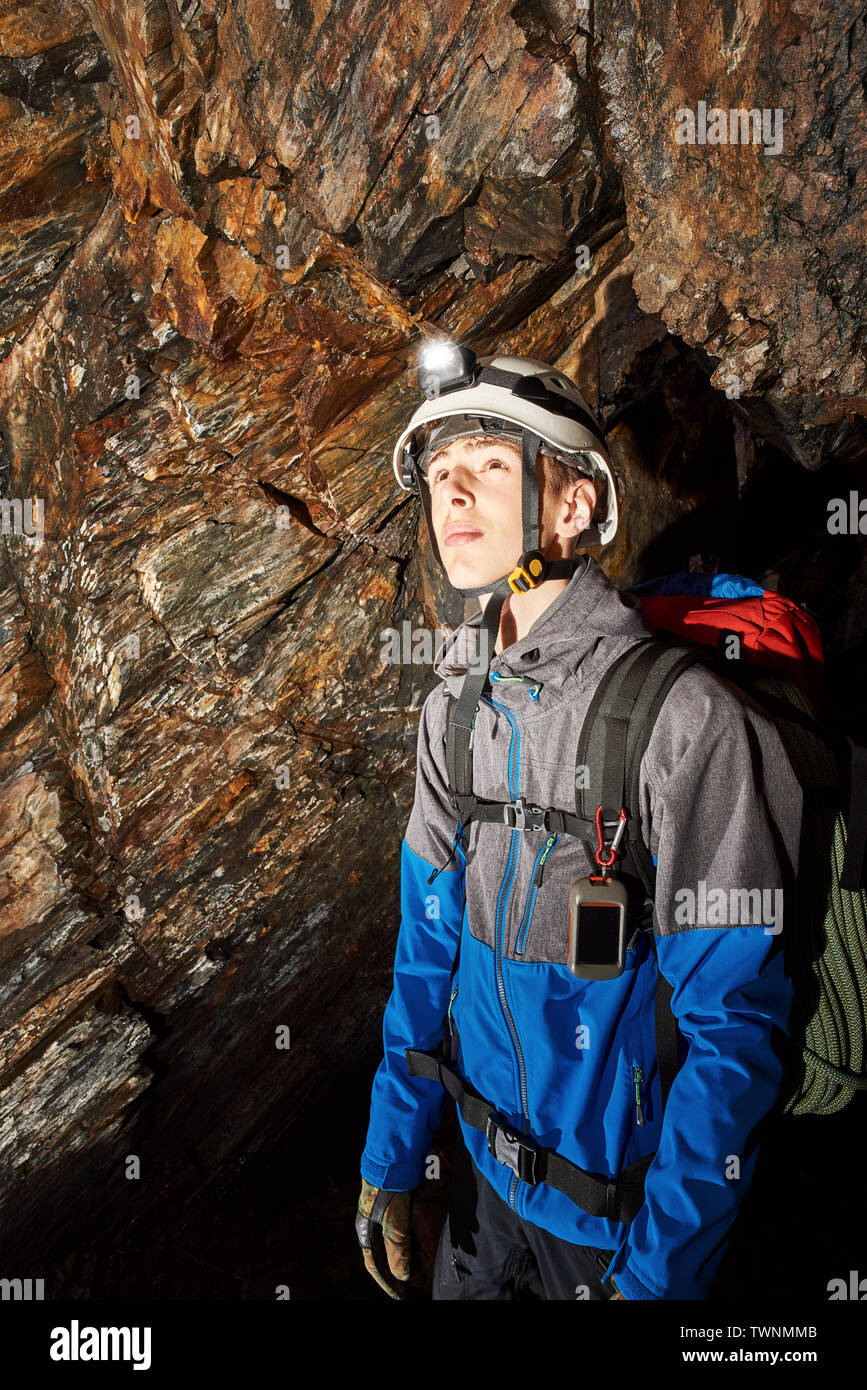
column 445, row 367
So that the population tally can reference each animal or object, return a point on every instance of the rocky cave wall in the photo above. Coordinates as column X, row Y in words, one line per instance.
column 227, row 226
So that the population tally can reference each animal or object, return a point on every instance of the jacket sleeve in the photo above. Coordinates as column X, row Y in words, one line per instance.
column 728, row 813
column 405, row 1111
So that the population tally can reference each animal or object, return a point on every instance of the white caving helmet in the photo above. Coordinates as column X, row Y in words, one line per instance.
column 517, row 398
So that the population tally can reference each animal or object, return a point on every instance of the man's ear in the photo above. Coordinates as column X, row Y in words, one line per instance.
column 580, row 499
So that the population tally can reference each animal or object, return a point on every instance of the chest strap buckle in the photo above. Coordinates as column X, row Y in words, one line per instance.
column 521, row 816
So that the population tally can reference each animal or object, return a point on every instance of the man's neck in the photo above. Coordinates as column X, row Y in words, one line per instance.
column 520, row 611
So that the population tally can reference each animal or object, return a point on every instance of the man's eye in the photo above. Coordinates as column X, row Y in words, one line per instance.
column 488, row 463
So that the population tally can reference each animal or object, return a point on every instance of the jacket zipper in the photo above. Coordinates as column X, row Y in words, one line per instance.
column 500, row 921
column 535, row 885
column 637, row 1069
column 452, row 1031
column 637, row 1078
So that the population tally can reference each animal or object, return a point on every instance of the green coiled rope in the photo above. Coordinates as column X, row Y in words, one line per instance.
column 828, row 952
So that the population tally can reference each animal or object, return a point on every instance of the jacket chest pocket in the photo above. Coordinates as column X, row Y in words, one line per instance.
column 536, row 879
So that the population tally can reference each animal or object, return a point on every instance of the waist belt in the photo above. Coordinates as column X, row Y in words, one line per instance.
column 618, row 1199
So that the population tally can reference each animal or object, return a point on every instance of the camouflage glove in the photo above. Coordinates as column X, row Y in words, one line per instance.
column 382, row 1224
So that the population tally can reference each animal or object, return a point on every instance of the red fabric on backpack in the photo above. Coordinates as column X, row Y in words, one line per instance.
column 774, row 632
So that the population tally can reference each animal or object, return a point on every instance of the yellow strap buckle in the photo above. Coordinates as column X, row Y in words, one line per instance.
column 527, row 575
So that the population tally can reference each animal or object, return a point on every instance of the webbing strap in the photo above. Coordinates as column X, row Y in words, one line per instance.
column 618, row 1199
column 628, row 702
column 625, row 705
column 656, row 682
column 589, row 789
column 510, row 813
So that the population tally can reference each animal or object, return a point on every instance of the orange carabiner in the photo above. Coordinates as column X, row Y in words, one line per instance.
column 600, row 834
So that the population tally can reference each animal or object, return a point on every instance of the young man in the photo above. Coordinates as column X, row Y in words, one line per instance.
column 556, row 1076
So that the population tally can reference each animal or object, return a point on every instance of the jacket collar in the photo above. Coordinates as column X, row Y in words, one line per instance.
column 589, row 607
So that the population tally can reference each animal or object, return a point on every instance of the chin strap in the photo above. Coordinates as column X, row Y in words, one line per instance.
column 531, row 570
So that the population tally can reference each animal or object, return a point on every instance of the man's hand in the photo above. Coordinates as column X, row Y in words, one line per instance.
column 395, row 1237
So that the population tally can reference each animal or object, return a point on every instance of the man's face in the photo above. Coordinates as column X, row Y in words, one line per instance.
column 475, row 490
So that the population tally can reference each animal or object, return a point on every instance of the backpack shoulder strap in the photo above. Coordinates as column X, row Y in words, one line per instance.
column 615, row 735
column 613, row 740
column 459, row 754
column 463, row 703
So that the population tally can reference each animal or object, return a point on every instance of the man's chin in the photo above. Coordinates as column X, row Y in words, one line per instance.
column 465, row 576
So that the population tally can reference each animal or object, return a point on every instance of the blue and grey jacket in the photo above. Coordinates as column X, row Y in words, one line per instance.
column 572, row 1063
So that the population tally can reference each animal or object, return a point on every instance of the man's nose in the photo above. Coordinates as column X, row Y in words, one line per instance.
column 458, row 489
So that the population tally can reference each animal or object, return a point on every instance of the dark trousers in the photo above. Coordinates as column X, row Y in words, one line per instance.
column 488, row 1251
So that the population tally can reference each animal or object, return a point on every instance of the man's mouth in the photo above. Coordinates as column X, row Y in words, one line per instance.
column 462, row 535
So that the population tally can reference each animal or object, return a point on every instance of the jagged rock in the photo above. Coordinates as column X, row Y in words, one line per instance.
column 750, row 250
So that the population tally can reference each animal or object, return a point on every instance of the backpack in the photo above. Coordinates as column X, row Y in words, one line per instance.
column 770, row 649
